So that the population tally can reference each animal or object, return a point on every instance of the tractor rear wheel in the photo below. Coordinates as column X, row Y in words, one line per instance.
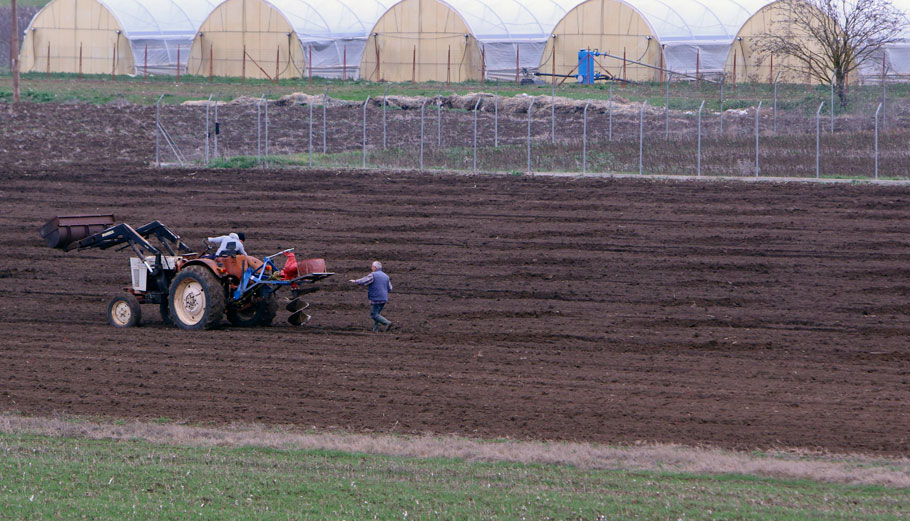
column 124, row 311
column 196, row 299
column 259, row 313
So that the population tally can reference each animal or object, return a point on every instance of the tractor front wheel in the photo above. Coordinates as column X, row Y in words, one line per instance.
column 124, row 311
column 196, row 299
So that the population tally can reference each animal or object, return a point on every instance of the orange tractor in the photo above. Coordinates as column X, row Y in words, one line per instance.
column 192, row 290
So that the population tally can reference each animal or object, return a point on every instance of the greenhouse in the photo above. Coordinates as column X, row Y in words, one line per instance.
column 112, row 36
column 285, row 38
column 747, row 63
column 457, row 40
column 641, row 38
column 895, row 59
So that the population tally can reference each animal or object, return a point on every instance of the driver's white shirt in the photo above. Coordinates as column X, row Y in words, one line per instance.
column 224, row 241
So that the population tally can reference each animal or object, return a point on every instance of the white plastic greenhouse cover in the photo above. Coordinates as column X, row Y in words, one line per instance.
column 502, row 26
column 897, row 55
column 689, row 28
column 335, row 30
column 163, row 25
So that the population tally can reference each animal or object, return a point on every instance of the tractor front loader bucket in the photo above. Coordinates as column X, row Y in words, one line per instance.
column 65, row 231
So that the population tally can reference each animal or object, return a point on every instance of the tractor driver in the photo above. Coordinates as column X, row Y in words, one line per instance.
column 230, row 244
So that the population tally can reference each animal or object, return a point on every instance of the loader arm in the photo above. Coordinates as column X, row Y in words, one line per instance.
column 137, row 238
column 165, row 236
column 115, row 236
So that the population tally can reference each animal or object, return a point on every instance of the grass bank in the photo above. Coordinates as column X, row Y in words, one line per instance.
column 126, row 476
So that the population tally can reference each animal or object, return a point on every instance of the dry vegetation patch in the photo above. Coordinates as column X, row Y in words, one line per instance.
column 786, row 464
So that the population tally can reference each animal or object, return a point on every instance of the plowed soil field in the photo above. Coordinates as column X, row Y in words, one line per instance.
column 703, row 313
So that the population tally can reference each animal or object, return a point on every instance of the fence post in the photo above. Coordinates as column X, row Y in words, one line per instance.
column 311, row 131
column 384, row 96
column 517, row 66
column 364, row 160
column 269, row 94
column 880, row 105
column 774, row 125
column 208, row 107
column 698, row 160
column 553, row 104
column 530, row 108
column 641, row 135
column 258, row 130
column 157, row 129
column 325, row 126
column 584, row 140
column 818, row 139
column 439, row 118
column 496, row 117
column 757, row 113
column 884, row 92
column 217, row 129
column 422, row 107
column 832, row 101
column 722, row 81
column 611, row 112
column 667, row 108
column 475, row 134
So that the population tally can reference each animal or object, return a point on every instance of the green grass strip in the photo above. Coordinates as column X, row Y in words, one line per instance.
column 65, row 478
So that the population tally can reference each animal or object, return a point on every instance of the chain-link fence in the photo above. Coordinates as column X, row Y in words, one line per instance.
column 483, row 131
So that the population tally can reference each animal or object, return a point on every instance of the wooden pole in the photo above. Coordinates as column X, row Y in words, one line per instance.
column 211, row 62
column 483, row 65
column 14, row 52
column 243, row 66
column 80, row 60
column 277, row 61
column 449, row 66
column 734, row 67
column 344, row 64
column 145, row 65
column 378, row 60
column 178, row 64
column 414, row 67
column 884, row 71
column 660, row 70
column 554, row 60
column 697, row 67
column 624, row 77
column 309, row 63
column 113, row 61
column 47, row 73
column 517, row 66
column 771, row 74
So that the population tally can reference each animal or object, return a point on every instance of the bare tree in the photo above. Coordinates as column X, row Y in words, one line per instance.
column 831, row 38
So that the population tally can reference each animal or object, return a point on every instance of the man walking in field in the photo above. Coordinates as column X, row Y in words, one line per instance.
column 378, row 287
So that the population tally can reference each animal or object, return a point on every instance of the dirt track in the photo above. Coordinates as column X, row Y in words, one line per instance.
column 731, row 315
